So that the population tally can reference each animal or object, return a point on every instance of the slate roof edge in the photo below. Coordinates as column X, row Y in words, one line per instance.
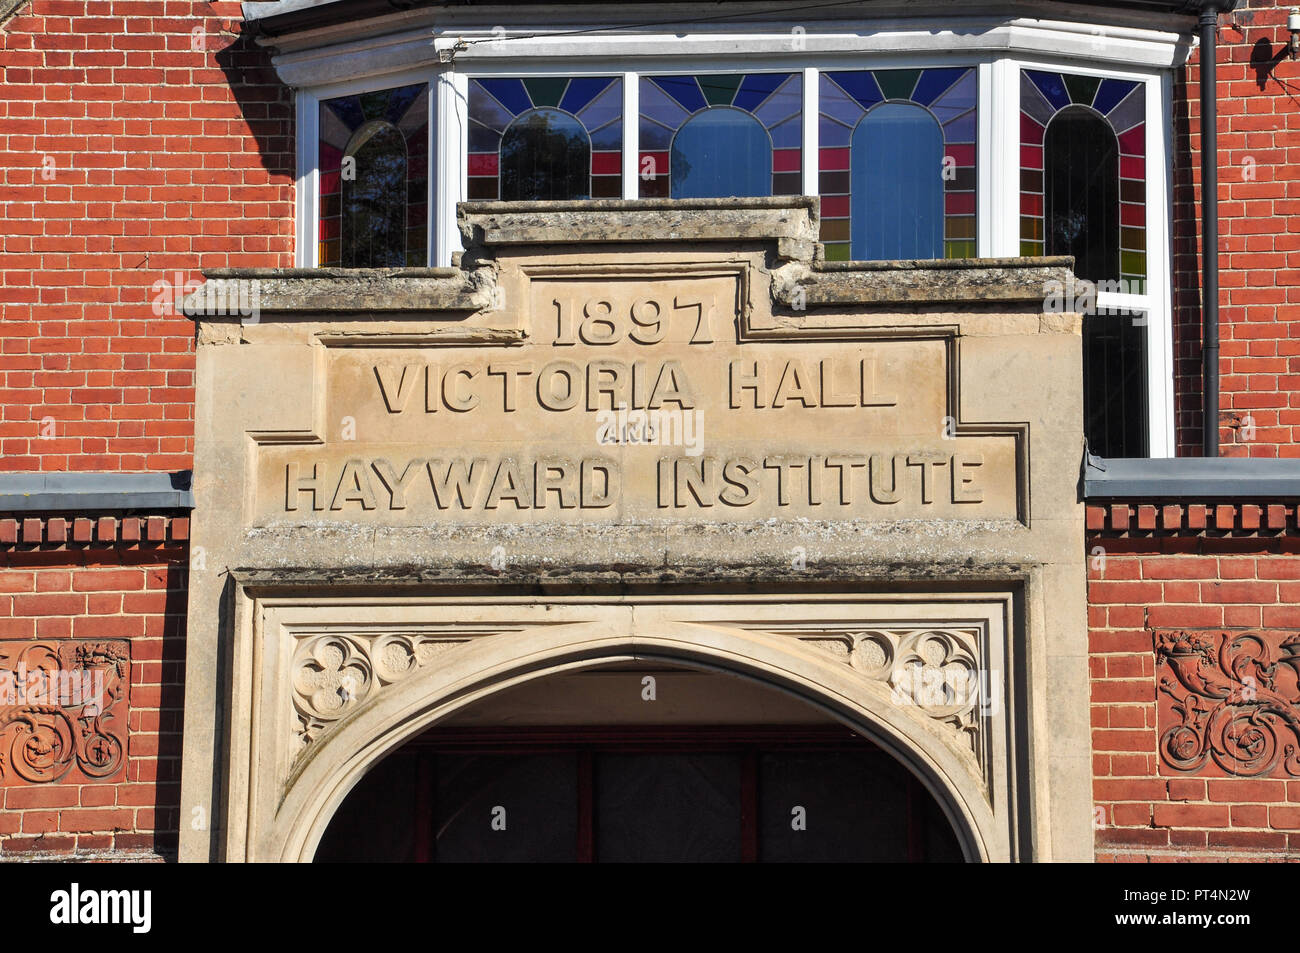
column 94, row 491
column 1238, row 478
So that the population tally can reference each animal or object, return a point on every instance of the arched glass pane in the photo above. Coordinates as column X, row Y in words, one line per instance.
column 1081, row 184
column 545, row 155
column 897, row 182
column 721, row 152
column 374, row 198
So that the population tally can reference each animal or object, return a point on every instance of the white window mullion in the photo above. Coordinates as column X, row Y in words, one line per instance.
column 998, row 200
column 450, row 110
column 1159, row 208
column 307, row 182
column 631, row 136
column 811, row 131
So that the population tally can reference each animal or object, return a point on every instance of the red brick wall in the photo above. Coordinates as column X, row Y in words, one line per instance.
column 1136, row 588
column 1259, row 243
column 123, row 593
column 165, row 159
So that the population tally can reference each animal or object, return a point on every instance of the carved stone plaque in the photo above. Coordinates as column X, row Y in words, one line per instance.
column 638, row 399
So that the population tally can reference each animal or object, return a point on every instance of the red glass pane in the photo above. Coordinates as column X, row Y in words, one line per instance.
column 959, row 203
column 1031, row 133
column 835, row 206
column 1031, row 157
column 786, row 160
column 962, row 154
column 606, row 163
column 1130, row 214
column 834, row 160
column 483, row 163
column 1134, row 142
column 1132, row 167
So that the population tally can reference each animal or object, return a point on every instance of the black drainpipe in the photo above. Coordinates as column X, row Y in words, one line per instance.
column 1210, row 225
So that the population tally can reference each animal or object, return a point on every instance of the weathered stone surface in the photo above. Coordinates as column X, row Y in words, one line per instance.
column 847, row 445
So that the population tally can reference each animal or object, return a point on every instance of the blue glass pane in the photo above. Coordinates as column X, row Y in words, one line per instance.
column 661, row 107
column 399, row 100
column 581, row 91
column 1130, row 112
column 509, row 93
column 1052, row 87
column 332, row 129
column 897, row 180
column 861, row 86
column 1033, row 103
column 787, row 101
column 654, row 137
column 608, row 137
column 755, row 89
column 1110, row 94
column 684, row 89
column 721, row 152
column 961, row 129
column 838, row 104
column 787, row 135
column 834, row 135
column 608, row 105
column 417, row 114
column 348, row 109
column 957, row 100
column 483, row 108
column 483, row 139
column 933, row 82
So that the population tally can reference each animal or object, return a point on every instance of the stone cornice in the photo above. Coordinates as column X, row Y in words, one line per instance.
column 788, row 226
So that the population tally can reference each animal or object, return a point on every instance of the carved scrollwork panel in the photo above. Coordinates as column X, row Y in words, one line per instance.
column 1228, row 702
column 63, row 711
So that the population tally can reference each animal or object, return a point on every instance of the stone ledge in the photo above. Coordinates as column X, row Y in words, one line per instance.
column 802, row 279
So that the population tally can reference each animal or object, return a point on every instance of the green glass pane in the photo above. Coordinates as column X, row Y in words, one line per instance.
column 720, row 90
column 1082, row 88
column 546, row 90
column 374, row 105
column 959, row 249
column 838, row 252
column 897, row 83
column 1134, row 239
column 1133, row 263
column 1030, row 249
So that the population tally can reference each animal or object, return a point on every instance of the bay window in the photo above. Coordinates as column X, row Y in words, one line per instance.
column 918, row 149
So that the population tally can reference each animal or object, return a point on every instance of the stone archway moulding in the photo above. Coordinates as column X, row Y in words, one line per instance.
column 343, row 682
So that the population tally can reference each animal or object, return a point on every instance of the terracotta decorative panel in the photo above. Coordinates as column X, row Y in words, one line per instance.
column 1229, row 702
column 63, row 711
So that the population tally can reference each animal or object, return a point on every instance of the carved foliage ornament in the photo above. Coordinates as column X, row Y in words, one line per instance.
column 335, row 674
column 1229, row 702
column 63, row 705
column 936, row 670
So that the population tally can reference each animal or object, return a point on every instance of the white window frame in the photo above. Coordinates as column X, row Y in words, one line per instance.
column 1155, row 303
column 1083, row 51
column 307, row 185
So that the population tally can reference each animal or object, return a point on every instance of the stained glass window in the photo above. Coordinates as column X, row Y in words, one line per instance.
column 546, row 138
column 374, row 179
column 897, row 163
column 1083, row 173
column 716, row 136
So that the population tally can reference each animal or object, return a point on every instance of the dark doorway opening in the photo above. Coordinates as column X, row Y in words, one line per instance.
column 640, row 794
